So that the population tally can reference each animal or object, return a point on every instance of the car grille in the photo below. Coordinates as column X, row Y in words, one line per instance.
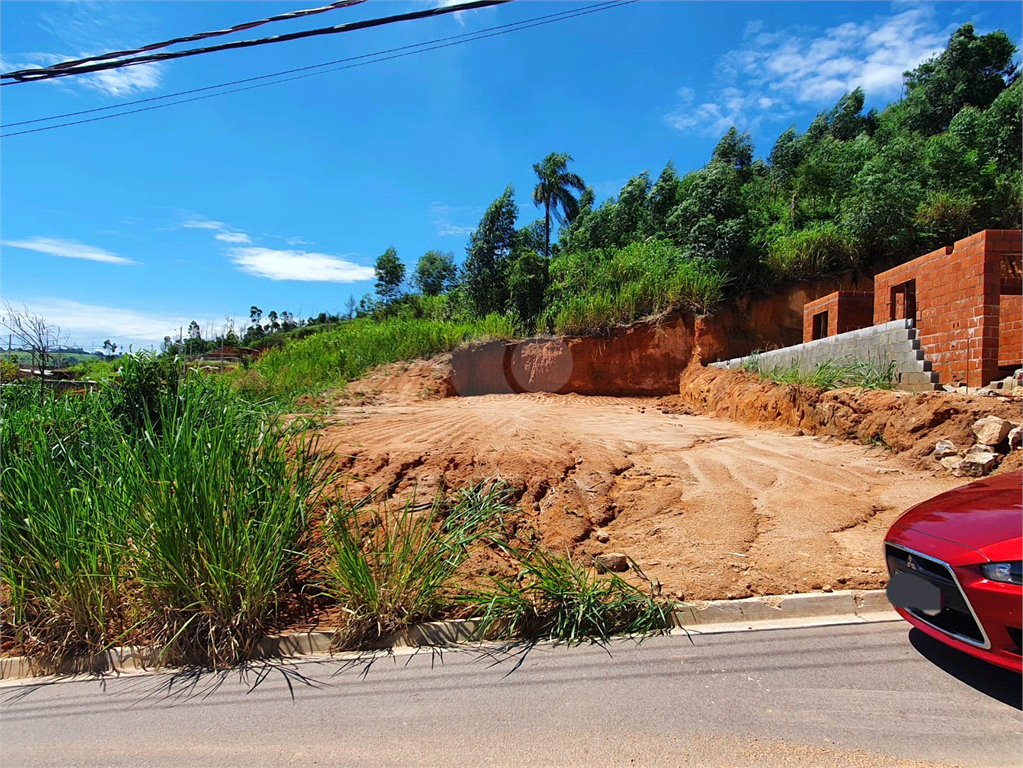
column 955, row 618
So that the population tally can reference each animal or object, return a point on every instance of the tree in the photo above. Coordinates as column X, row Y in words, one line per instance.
column 350, row 306
column 527, row 283
column 435, row 273
column 390, row 274
column 554, row 192
column 109, row 347
column 35, row 334
column 735, row 149
column 485, row 272
column 971, row 71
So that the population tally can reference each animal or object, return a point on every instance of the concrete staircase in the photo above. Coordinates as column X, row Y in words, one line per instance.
column 893, row 342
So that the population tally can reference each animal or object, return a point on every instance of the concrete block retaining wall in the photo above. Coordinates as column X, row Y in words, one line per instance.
column 880, row 344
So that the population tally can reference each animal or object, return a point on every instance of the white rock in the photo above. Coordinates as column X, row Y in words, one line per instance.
column 603, row 537
column 991, row 430
column 951, row 463
column 945, row 448
column 1015, row 437
column 977, row 463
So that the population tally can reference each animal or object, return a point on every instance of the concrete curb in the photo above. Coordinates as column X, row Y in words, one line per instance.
column 714, row 616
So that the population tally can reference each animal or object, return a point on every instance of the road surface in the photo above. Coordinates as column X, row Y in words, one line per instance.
column 858, row 695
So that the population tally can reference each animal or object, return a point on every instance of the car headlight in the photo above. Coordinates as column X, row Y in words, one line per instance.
column 1008, row 573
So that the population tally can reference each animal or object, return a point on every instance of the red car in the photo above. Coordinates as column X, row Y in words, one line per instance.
column 954, row 563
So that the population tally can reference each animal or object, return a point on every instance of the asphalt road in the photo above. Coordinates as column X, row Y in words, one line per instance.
column 856, row 695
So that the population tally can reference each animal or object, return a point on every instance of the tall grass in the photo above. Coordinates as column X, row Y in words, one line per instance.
column 392, row 568
column 115, row 530
column 595, row 290
column 62, row 529
column 331, row 358
column 831, row 374
column 559, row 599
column 220, row 501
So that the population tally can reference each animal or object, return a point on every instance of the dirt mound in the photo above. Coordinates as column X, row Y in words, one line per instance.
column 709, row 507
column 901, row 421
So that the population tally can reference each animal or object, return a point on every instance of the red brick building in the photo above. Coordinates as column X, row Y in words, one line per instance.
column 965, row 301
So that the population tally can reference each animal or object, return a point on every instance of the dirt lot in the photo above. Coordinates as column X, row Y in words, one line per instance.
column 709, row 507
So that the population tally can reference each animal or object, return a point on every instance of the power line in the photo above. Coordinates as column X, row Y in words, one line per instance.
column 431, row 45
column 193, row 38
column 525, row 24
column 48, row 73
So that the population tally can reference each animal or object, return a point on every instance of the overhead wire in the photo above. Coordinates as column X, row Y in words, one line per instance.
column 290, row 15
column 376, row 57
column 22, row 76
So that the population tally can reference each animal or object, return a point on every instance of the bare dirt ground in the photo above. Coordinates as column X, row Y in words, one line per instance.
column 709, row 507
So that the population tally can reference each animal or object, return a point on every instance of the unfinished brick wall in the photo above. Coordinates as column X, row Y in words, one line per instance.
column 1010, row 312
column 954, row 296
column 848, row 310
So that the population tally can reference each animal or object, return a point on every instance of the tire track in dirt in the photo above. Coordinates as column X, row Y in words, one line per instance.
column 707, row 506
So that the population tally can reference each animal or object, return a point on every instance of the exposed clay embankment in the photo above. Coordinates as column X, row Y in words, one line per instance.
column 900, row 421
column 643, row 359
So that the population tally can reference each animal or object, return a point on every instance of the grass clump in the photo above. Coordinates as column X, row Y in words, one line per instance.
column 558, row 599
column 831, row 374
column 220, row 500
column 393, row 568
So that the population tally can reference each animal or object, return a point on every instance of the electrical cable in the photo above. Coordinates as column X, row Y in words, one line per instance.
column 584, row 10
column 471, row 37
column 201, row 36
column 49, row 73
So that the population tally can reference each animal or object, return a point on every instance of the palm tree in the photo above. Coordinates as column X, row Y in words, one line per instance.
column 554, row 192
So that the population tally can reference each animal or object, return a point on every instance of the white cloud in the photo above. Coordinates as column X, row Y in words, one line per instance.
column 233, row 237
column 85, row 323
column 298, row 265
column 775, row 71
column 69, row 249
column 119, row 83
column 296, row 241
column 442, row 215
column 203, row 224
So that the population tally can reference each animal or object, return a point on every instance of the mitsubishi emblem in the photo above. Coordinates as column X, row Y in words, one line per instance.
column 911, row 563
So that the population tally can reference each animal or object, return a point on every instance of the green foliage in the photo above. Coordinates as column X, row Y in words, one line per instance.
column 971, row 71
column 592, row 291
column 527, row 283
column 435, row 273
column 485, row 272
column 557, row 599
column 390, row 274
column 8, row 371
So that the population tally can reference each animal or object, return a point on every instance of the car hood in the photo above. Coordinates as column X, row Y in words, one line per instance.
column 986, row 516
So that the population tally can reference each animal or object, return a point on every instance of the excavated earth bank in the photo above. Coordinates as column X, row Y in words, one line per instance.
column 711, row 507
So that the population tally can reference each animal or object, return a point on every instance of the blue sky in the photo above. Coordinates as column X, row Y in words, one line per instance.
column 284, row 196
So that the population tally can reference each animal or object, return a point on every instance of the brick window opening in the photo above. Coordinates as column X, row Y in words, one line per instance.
column 820, row 325
column 903, row 303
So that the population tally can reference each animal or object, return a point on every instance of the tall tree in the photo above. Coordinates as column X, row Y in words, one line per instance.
column 971, row 71
column 435, row 273
column 485, row 272
column 390, row 274
column 555, row 192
